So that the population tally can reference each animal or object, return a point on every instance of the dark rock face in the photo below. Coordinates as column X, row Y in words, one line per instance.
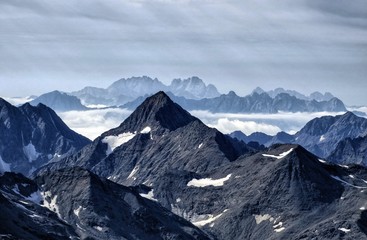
column 284, row 193
column 350, row 151
column 254, row 103
column 59, row 101
column 158, row 136
column 76, row 204
column 100, row 209
column 32, row 136
column 23, row 217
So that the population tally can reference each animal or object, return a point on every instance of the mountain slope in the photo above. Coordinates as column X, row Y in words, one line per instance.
column 22, row 214
column 32, row 136
column 59, row 101
column 98, row 208
column 350, row 151
column 284, row 193
column 76, row 204
column 321, row 135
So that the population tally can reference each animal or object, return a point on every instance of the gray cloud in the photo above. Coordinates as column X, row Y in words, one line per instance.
column 298, row 44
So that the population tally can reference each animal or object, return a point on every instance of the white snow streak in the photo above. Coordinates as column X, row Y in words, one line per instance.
column 204, row 182
column 344, row 230
column 280, row 156
column 211, row 219
column 149, row 195
column 347, row 183
column 322, row 161
column 115, row 141
column 133, row 172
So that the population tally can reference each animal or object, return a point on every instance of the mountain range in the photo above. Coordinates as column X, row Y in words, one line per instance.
column 125, row 90
column 313, row 96
column 191, row 94
column 163, row 174
column 340, row 139
column 253, row 103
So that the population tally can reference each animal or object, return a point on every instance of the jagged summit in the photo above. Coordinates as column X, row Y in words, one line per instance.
column 158, row 109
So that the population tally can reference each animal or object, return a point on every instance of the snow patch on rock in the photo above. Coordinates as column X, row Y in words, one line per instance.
column 50, row 204
column 210, row 218
column 115, row 141
column 204, row 182
column 346, row 230
column 280, row 156
column 149, row 195
column 133, row 172
column 146, row 130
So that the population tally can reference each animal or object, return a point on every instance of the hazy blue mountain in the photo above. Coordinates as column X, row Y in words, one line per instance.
column 59, row 101
column 128, row 89
column 313, row 96
column 193, row 88
column 32, row 136
column 259, row 137
column 254, row 103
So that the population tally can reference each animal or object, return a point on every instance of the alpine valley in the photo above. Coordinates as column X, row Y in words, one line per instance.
column 164, row 174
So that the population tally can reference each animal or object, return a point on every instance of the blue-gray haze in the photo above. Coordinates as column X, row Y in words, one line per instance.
column 305, row 45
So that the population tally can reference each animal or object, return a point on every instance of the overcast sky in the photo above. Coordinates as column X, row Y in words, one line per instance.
column 305, row 45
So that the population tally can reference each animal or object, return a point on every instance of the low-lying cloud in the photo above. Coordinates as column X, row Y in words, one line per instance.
column 93, row 123
column 226, row 125
column 266, row 123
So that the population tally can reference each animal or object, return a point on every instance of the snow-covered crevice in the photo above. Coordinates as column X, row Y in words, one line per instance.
column 78, row 210
column 116, row 141
column 30, row 152
column 133, row 172
column 204, row 182
column 149, row 195
column 280, row 156
column 50, row 204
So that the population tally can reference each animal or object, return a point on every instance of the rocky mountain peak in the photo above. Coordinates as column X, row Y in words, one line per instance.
column 159, row 110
